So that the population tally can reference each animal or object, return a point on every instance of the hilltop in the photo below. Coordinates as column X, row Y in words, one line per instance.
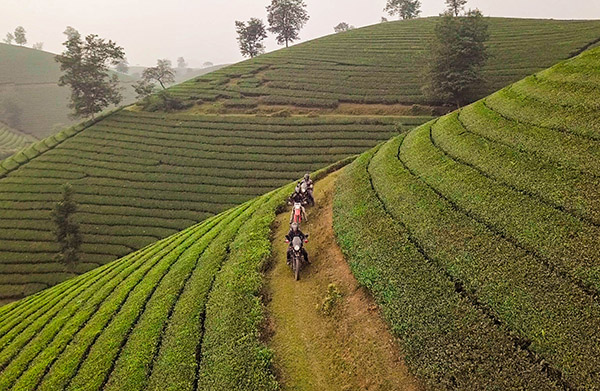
column 380, row 64
column 139, row 176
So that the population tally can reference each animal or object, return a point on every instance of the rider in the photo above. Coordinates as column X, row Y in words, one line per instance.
column 295, row 232
column 309, row 186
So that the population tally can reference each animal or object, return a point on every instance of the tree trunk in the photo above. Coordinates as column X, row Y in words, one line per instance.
column 161, row 84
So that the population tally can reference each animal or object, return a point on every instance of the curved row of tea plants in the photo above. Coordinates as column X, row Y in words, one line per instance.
column 382, row 64
column 501, row 200
column 182, row 314
column 12, row 141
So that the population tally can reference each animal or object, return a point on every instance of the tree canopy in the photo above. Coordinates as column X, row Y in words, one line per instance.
column 455, row 7
column 20, row 38
column 286, row 18
column 458, row 54
column 85, row 65
column 251, row 36
column 343, row 26
column 405, row 9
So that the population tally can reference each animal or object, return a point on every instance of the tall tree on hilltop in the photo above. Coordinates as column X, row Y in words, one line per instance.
column 343, row 26
column 181, row 64
column 456, row 6
column 9, row 38
column 162, row 73
column 405, row 9
column 20, row 38
column 458, row 53
column 251, row 36
column 286, row 18
column 38, row 46
column 66, row 229
column 85, row 64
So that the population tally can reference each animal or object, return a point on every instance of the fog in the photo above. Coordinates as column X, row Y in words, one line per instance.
column 203, row 30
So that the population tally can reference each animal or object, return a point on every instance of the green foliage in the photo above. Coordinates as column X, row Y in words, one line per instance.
column 405, row 9
column 163, row 101
column 20, row 38
column 85, row 66
column 66, row 229
column 332, row 298
column 251, row 36
column 454, row 7
column 458, row 54
column 343, row 26
column 286, row 18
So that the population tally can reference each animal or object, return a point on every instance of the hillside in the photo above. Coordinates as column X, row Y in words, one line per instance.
column 30, row 99
column 139, row 177
column 181, row 75
column 488, row 218
column 381, row 64
column 476, row 234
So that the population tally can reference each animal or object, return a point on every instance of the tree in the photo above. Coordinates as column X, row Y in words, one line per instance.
column 405, row 9
column 343, row 26
column 143, row 88
column 20, row 38
column 38, row 46
column 251, row 36
column 458, row 53
column 66, row 229
column 181, row 64
column 456, row 6
column 70, row 32
column 9, row 38
column 85, row 64
column 122, row 66
column 162, row 73
column 207, row 64
column 384, row 19
column 286, row 18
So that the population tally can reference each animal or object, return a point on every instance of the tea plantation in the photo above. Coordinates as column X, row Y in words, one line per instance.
column 140, row 177
column 485, row 224
column 382, row 64
column 181, row 314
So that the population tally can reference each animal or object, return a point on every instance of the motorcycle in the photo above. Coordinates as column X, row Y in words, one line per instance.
column 297, row 255
column 307, row 199
column 297, row 213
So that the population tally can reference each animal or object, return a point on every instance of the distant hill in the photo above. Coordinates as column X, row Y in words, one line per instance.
column 30, row 99
column 139, row 176
column 382, row 64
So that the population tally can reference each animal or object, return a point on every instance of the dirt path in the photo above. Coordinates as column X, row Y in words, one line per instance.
column 349, row 349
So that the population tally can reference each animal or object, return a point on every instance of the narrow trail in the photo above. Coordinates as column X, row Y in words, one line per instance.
column 349, row 349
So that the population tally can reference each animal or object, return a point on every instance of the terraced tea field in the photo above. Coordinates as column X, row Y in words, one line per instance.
column 140, row 177
column 381, row 64
column 12, row 141
column 181, row 314
column 488, row 218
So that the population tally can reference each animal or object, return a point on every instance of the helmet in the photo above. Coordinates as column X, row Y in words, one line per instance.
column 306, row 176
column 294, row 226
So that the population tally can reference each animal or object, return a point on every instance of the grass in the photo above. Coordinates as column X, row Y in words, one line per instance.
column 380, row 64
column 492, row 210
column 184, row 313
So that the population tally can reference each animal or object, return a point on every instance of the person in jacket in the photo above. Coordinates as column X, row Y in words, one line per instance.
column 295, row 232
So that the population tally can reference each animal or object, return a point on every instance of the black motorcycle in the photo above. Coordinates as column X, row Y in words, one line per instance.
column 297, row 256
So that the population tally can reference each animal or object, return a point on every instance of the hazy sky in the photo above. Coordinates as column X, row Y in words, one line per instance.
column 203, row 30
